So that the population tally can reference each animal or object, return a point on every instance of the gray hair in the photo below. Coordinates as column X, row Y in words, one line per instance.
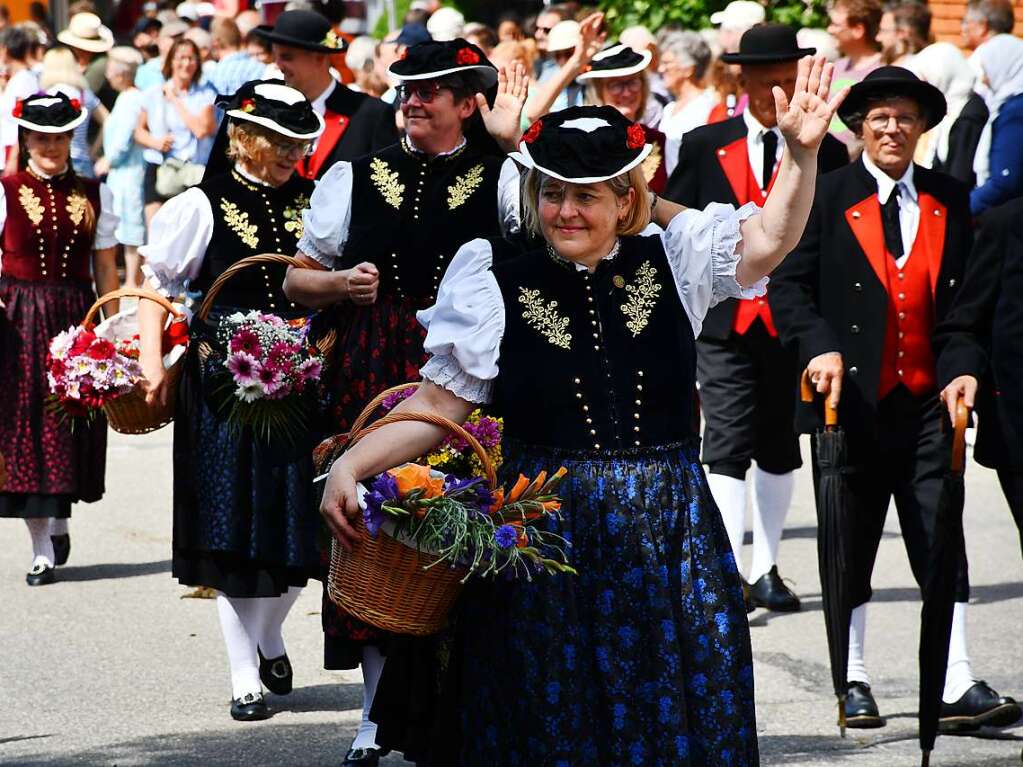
column 690, row 50
column 997, row 14
column 124, row 60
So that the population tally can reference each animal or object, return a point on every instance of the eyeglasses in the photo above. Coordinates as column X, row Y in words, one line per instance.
column 618, row 87
column 291, row 148
column 425, row 92
column 879, row 123
column 545, row 30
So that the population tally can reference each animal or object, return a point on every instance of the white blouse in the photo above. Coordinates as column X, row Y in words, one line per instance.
column 328, row 217
column 465, row 327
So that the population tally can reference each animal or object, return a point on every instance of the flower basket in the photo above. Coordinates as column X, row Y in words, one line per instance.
column 129, row 413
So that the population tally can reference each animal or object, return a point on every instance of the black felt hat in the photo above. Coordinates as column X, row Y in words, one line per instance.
column 768, row 44
column 276, row 106
column 895, row 82
column 49, row 113
column 616, row 61
column 303, row 29
column 583, row 145
column 435, row 58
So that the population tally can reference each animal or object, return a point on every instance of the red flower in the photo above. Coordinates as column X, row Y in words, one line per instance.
column 533, row 133
column 466, row 56
column 82, row 343
column 18, row 106
column 403, row 55
column 635, row 136
column 76, row 104
column 248, row 105
column 102, row 349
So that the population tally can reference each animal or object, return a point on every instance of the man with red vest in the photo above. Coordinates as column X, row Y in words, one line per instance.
column 879, row 265
column 746, row 378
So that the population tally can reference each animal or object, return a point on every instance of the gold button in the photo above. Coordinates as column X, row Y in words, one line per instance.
column 596, row 348
column 721, row 153
column 902, row 354
column 577, row 380
column 937, row 212
column 900, row 372
column 639, row 373
column 639, row 403
column 902, row 296
column 596, row 336
column 636, row 416
column 636, row 429
column 578, row 395
column 902, row 315
column 593, row 432
column 586, row 408
column 902, row 276
column 639, row 387
column 596, row 446
column 619, row 281
column 589, row 420
column 637, row 443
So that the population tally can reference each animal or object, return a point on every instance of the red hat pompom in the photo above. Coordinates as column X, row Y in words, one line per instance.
column 635, row 136
column 248, row 105
column 76, row 104
column 18, row 106
column 466, row 56
column 533, row 133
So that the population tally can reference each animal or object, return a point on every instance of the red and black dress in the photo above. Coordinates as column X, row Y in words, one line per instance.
column 45, row 288
column 406, row 213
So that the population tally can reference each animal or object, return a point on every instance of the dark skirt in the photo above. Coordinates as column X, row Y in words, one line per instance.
column 245, row 521
column 50, row 464
column 642, row 659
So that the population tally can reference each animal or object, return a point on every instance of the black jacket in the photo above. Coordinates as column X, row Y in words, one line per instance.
column 963, row 137
column 699, row 180
column 826, row 296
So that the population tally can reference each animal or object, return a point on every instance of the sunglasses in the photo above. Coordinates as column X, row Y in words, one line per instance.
column 425, row 92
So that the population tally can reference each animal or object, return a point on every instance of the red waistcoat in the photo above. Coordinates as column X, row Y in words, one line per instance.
column 334, row 126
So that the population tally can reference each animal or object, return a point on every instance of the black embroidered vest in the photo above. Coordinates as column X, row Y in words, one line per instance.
column 249, row 219
column 411, row 213
column 595, row 361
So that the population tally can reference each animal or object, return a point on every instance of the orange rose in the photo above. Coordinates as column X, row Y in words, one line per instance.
column 412, row 476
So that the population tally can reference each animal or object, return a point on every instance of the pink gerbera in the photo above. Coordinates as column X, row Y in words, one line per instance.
column 246, row 341
column 242, row 367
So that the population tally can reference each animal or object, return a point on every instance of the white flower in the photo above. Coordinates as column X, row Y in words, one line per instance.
column 61, row 343
column 250, row 392
column 71, row 390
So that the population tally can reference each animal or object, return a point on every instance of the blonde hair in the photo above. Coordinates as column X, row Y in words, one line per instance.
column 253, row 144
column 635, row 221
column 60, row 67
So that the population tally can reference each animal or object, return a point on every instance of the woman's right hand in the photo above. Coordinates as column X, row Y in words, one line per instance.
column 591, row 39
column 340, row 504
column 155, row 381
column 166, row 143
column 362, row 282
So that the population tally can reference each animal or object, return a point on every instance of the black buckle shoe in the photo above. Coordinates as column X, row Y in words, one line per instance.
column 249, row 708
column 771, row 592
column 363, row 757
column 978, row 707
column 61, row 548
column 276, row 673
column 41, row 575
column 861, row 709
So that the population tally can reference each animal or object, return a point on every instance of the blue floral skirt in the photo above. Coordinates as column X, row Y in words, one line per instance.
column 644, row 657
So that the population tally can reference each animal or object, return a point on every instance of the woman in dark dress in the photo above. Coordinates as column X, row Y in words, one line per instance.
column 582, row 347
column 58, row 239
column 244, row 517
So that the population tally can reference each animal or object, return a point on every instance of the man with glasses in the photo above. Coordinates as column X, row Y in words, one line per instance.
column 548, row 18
column 984, row 19
column 379, row 235
column 880, row 263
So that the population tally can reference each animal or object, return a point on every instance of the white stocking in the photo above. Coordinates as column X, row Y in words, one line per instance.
column 772, row 495
column 273, row 611
column 959, row 674
column 730, row 496
column 372, row 666
column 42, row 546
column 857, row 670
column 58, row 526
column 237, row 622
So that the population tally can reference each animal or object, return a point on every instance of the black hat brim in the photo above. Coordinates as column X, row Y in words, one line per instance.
column 67, row 128
column 524, row 158
column 767, row 58
column 272, row 37
column 490, row 73
column 276, row 127
column 929, row 97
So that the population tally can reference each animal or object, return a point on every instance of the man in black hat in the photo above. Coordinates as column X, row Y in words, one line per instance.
column 876, row 271
column 356, row 123
column 746, row 378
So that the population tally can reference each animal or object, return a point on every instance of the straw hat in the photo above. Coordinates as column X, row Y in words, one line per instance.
column 86, row 32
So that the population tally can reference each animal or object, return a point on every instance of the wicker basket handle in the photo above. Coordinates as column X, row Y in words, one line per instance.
column 806, row 394
column 436, row 420
column 237, row 266
column 125, row 293
column 377, row 401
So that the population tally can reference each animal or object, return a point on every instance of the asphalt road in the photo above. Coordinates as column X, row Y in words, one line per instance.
column 110, row 666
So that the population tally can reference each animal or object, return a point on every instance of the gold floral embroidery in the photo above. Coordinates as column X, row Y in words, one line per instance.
column 32, row 205
column 464, row 186
column 293, row 216
column 543, row 316
column 386, row 182
column 643, row 295
column 238, row 221
column 652, row 163
column 76, row 208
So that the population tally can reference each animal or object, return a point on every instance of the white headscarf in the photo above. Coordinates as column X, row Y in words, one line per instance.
column 1001, row 59
column 944, row 67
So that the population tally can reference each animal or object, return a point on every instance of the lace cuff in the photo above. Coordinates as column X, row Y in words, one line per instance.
column 725, row 260
column 444, row 370
column 308, row 246
column 169, row 285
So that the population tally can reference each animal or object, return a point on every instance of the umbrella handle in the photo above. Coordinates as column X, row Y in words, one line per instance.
column 806, row 394
column 959, row 437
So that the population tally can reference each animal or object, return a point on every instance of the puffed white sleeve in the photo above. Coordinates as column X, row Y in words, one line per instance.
column 178, row 238
column 465, row 327
column 508, row 192
column 108, row 220
column 325, row 221
column 701, row 246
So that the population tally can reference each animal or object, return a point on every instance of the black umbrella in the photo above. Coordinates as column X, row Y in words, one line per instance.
column 943, row 568
column 833, row 534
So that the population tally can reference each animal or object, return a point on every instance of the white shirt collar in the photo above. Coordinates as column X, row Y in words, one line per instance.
column 414, row 148
column 35, row 169
column 885, row 183
column 320, row 104
column 755, row 128
column 249, row 177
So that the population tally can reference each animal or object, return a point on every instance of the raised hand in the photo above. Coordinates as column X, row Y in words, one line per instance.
column 591, row 39
column 804, row 119
column 503, row 120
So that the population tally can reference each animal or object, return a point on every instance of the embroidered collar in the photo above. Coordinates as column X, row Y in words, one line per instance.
column 562, row 261
column 413, row 151
column 38, row 174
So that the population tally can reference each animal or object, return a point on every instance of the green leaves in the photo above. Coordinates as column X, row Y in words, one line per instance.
column 695, row 14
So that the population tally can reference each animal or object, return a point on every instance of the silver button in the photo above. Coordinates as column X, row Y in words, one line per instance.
column 855, row 329
column 902, row 354
column 902, row 296
column 856, row 214
column 853, row 371
column 576, row 380
column 952, row 282
column 902, row 315
column 900, row 374
column 858, row 287
column 902, row 276
column 578, row 395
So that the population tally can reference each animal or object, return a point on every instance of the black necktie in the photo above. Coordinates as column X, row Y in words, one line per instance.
column 770, row 151
column 891, row 225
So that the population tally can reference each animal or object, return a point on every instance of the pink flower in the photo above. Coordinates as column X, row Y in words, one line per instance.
column 243, row 367
column 310, row 369
column 246, row 341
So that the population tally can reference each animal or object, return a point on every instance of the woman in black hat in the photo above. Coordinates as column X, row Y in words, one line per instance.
column 583, row 346
column 244, row 522
column 58, row 241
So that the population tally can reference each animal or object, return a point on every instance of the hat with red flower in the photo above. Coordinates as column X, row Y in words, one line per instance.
column 54, row 112
column 583, row 145
column 276, row 106
column 434, row 58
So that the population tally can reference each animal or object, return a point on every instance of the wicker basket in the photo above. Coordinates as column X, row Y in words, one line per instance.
column 129, row 413
column 383, row 581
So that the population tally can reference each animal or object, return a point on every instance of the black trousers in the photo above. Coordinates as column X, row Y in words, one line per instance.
column 905, row 456
column 747, row 393
column 1012, row 486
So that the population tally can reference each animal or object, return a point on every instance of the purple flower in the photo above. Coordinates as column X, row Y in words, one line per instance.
column 505, row 536
column 384, row 488
column 474, row 488
column 391, row 400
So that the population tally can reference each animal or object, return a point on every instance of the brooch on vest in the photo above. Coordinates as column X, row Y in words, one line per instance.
column 543, row 317
column 238, row 221
column 31, row 204
column 643, row 295
column 464, row 186
column 293, row 216
column 386, row 182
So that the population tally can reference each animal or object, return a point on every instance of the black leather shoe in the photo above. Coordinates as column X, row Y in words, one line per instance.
column 41, row 575
column 980, row 706
column 249, row 708
column 363, row 757
column 861, row 709
column 61, row 548
column 771, row 592
column 276, row 673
